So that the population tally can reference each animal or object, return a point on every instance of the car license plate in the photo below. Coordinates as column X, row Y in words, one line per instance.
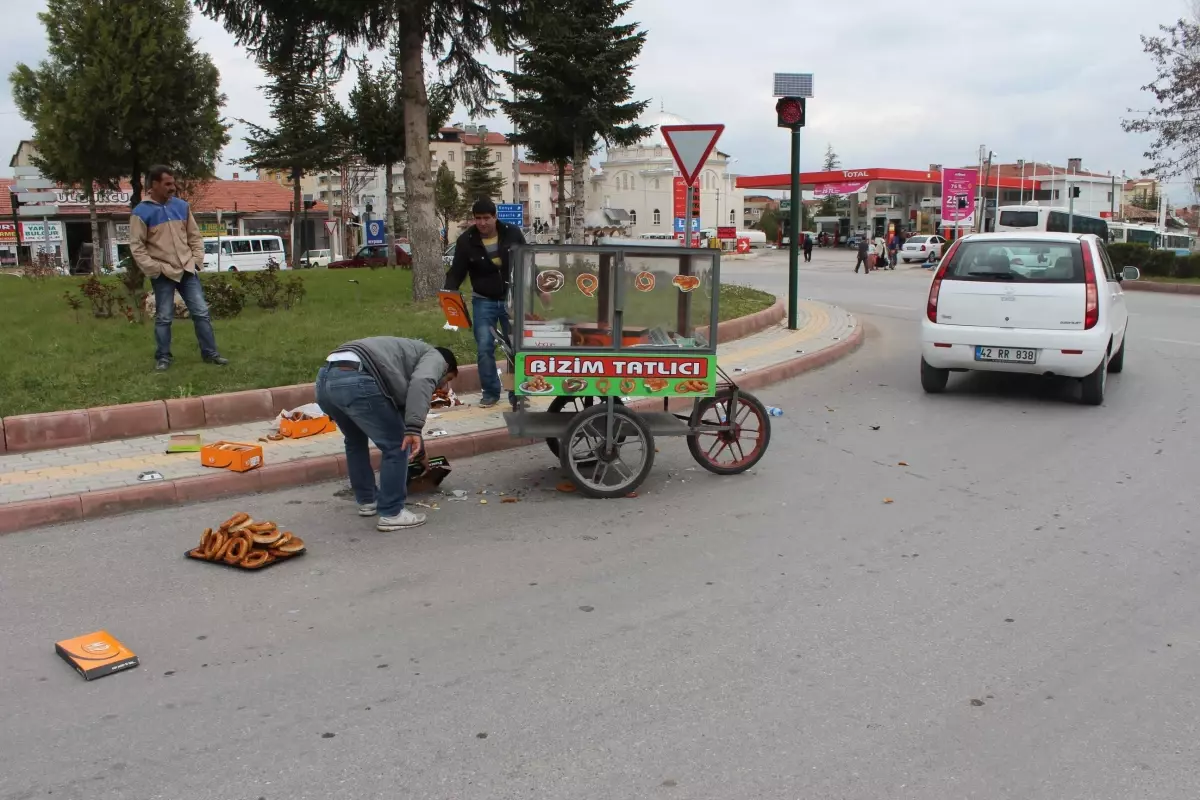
column 1011, row 355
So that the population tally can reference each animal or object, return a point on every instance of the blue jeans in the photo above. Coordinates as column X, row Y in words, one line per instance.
column 485, row 313
column 192, row 291
column 353, row 400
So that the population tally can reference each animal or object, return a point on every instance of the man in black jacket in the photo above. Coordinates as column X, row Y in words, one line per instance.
column 482, row 252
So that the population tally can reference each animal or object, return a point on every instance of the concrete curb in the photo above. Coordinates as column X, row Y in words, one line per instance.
column 92, row 505
column 1169, row 288
column 28, row 432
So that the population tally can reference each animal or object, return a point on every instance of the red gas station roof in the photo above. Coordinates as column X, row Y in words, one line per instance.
column 784, row 181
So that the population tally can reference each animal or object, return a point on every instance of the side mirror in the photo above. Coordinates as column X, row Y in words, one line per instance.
column 1131, row 274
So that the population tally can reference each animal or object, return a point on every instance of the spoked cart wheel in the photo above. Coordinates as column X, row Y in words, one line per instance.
column 605, row 466
column 732, row 431
column 571, row 404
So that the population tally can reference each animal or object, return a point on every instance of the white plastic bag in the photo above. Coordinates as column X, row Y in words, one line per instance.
column 310, row 410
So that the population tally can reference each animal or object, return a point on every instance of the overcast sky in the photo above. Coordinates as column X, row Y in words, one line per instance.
column 897, row 85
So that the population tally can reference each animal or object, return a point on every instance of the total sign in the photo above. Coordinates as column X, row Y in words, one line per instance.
column 855, row 173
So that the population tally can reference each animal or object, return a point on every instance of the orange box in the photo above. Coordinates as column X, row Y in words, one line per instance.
column 96, row 655
column 306, row 427
column 235, row 456
column 454, row 308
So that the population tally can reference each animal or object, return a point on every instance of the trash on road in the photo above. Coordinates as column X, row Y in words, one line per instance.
column 146, row 477
column 184, row 443
column 888, row 501
column 775, row 411
column 96, row 655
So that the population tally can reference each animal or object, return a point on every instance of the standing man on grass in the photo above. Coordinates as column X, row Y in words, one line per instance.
column 482, row 252
column 167, row 247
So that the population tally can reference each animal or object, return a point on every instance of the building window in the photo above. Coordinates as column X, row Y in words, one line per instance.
column 537, row 188
column 657, row 217
column 450, row 156
column 632, row 185
column 632, row 217
column 1110, row 197
column 1056, row 194
column 656, row 184
column 537, row 205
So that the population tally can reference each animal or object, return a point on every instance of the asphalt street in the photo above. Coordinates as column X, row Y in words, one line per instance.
column 990, row 593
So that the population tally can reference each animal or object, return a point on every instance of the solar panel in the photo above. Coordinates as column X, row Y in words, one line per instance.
column 793, row 84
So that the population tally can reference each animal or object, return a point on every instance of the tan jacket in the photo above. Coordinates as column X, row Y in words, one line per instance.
column 165, row 240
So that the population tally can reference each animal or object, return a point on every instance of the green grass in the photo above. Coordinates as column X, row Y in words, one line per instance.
column 55, row 358
column 1170, row 280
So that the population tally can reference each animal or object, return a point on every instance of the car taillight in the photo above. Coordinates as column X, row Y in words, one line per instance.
column 936, row 287
column 1091, row 303
column 922, row 248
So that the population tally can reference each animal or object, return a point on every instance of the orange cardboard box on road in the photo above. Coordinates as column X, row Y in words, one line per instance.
column 298, row 429
column 96, row 655
column 236, row 456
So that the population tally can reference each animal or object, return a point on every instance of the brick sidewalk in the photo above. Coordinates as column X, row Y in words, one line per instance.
column 104, row 472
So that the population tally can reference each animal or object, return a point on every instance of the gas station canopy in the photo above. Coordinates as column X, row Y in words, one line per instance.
column 813, row 180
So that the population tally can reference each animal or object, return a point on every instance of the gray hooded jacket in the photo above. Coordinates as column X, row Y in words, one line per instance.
column 407, row 371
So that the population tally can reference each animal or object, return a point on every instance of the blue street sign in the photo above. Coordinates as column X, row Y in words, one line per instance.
column 679, row 224
column 375, row 232
column 511, row 214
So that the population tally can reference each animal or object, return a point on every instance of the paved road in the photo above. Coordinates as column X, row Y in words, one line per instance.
column 1020, row 622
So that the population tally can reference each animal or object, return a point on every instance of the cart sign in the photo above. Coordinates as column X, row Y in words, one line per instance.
column 958, row 194
column 616, row 375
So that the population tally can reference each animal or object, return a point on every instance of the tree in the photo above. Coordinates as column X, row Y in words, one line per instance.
column 309, row 135
column 446, row 200
column 1146, row 200
column 832, row 162
column 768, row 223
column 124, row 87
column 1175, row 122
column 574, row 84
column 828, row 207
column 480, row 178
column 450, row 32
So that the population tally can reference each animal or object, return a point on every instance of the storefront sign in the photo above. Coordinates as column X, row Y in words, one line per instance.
column 8, row 233
column 838, row 189
column 726, row 232
column 105, row 197
column 34, row 232
column 958, row 194
column 121, row 233
column 212, row 229
column 854, row 173
column 615, row 375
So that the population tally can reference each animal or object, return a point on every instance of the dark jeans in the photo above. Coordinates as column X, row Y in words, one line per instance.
column 485, row 313
column 863, row 262
column 192, row 292
column 353, row 400
column 808, row 254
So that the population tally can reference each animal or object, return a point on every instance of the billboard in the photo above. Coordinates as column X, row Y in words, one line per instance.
column 958, row 194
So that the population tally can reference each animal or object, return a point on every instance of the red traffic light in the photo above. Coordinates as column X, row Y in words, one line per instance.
column 789, row 112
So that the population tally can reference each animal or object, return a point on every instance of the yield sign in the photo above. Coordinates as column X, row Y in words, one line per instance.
column 691, row 146
column 330, row 224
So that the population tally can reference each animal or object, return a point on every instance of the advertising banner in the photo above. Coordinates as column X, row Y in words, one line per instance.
column 958, row 194
column 8, row 233
column 838, row 189
column 616, row 375
column 35, row 232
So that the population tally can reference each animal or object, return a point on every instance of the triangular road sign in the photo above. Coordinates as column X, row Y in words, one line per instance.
column 691, row 146
column 330, row 224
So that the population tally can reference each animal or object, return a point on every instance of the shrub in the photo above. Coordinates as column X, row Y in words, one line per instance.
column 104, row 298
column 1160, row 264
column 1123, row 255
column 294, row 291
column 45, row 265
column 226, row 299
column 1187, row 267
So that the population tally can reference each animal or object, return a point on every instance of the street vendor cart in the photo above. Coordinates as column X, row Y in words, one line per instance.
column 624, row 341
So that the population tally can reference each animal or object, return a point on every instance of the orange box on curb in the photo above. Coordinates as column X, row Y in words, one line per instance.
column 300, row 428
column 235, row 456
column 96, row 655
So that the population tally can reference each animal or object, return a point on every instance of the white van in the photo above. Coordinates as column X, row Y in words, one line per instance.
column 242, row 253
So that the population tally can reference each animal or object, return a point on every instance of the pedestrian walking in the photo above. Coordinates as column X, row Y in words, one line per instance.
column 378, row 390
column 880, row 253
column 808, row 247
column 482, row 253
column 167, row 247
column 864, row 252
column 893, row 248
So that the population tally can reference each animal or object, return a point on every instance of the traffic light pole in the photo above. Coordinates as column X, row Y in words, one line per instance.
column 796, row 233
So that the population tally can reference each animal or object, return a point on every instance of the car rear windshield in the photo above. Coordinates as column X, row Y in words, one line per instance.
column 1019, row 219
column 918, row 240
column 1017, row 261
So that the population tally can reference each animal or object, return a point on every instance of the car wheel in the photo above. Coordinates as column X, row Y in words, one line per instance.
column 1117, row 362
column 933, row 380
column 1093, row 385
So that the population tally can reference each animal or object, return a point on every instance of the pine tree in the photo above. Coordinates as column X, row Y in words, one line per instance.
column 310, row 132
column 124, row 87
column 481, row 179
column 832, row 161
column 450, row 33
column 574, row 85
column 446, row 200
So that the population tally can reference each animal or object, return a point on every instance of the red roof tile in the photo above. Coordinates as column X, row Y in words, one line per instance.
column 492, row 138
column 246, row 197
column 6, row 208
column 541, row 168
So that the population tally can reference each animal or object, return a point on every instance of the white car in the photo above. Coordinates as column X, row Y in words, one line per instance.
column 317, row 258
column 1035, row 303
column 919, row 248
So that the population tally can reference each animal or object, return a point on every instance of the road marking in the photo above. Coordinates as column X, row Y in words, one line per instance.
column 895, row 308
column 1177, row 341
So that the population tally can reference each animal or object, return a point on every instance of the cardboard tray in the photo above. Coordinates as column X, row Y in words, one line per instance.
column 221, row 563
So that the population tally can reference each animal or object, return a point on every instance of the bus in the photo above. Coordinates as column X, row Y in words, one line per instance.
column 1181, row 244
column 1052, row 220
column 242, row 253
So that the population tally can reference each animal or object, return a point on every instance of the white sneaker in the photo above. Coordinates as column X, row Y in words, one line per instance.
column 367, row 510
column 402, row 521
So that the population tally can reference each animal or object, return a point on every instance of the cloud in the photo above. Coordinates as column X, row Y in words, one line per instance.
column 896, row 85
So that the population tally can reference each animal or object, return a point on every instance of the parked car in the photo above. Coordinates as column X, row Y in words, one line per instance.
column 316, row 258
column 375, row 255
column 919, row 248
column 1035, row 303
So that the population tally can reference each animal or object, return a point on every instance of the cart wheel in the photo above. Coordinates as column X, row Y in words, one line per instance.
column 604, row 471
column 571, row 404
column 733, row 451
